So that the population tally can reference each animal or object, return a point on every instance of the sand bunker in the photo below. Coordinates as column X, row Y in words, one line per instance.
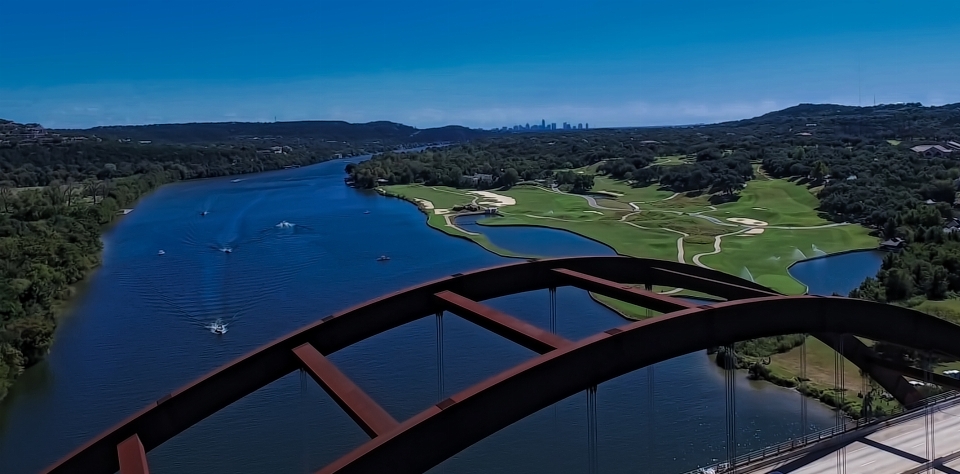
column 441, row 212
column 494, row 199
column 759, row 209
column 746, row 221
column 423, row 202
column 594, row 212
column 755, row 231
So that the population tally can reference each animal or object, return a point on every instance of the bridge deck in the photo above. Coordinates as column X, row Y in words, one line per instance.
column 900, row 447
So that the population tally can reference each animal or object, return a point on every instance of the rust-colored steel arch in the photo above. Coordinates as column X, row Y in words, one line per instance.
column 485, row 408
column 761, row 313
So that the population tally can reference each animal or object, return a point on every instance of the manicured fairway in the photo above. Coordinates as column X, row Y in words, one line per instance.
column 773, row 224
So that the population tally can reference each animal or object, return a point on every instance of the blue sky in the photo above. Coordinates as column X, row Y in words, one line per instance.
column 73, row 63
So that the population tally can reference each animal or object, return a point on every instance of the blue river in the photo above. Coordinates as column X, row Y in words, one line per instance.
column 141, row 330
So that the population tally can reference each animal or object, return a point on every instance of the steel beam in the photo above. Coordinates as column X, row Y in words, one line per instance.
column 864, row 358
column 527, row 335
column 132, row 457
column 642, row 298
column 371, row 417
column 916, row 373
column 713, row 286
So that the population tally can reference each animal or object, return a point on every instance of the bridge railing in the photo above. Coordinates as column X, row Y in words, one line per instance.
column 899, row 415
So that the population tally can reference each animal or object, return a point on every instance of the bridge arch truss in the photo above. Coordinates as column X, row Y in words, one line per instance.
column 564, row 368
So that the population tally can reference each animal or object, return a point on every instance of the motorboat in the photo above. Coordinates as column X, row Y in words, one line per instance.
column 383, row 258
column 366, row 212
column 161, row 252
column 218, row 327
column 285, row 225
column 203, row 213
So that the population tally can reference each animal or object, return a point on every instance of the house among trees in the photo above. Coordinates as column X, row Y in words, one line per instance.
column 933, row 151
column 893, row 245
column 953, row 225
column 477, row 180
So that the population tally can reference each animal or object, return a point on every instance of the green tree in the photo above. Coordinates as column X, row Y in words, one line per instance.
column 819, row 171
column 509, row 178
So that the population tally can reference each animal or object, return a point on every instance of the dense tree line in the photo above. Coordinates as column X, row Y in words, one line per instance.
column 529, row 158
column 42, row 165
column 49, row 240
column 551, row 157
column 869, row 183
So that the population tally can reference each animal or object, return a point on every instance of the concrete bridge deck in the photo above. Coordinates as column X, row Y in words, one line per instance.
column 899, row 445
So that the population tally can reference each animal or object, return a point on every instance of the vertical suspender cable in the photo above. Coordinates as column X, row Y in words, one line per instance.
column 648, row 287
column 730, row 383
column 553, row 310
column 592, row 458
column 439, row 356
column 838, row 381
column 553, row 329
column 929, row 426
column 843, row 397
column 803, row 382
column 303, row 420
column 651, row 413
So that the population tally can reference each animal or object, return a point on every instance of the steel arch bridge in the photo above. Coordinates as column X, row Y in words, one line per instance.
column 564, row 367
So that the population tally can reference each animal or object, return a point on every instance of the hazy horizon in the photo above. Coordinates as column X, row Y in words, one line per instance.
column 432, row 63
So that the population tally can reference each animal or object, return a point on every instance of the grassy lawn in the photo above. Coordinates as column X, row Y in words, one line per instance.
column 672, row 160
column 820, row 365
column 653, row 232
column 441, row 197
column 629, row 194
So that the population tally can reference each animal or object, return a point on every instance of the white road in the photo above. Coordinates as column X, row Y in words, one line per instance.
column 896, row 449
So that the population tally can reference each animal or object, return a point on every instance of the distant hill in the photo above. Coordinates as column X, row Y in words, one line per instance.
column 905, row 121
column 387, row 133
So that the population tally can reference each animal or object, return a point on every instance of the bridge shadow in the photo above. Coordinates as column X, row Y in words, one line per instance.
column 812, row 457
column 892, row 450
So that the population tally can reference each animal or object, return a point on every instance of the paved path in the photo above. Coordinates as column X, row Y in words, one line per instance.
column 716, row 247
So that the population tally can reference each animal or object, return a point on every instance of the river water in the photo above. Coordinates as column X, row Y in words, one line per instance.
column 140, row 331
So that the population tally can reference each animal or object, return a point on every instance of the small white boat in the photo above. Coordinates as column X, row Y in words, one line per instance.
column 218, row 327
column 285, row 225
column 203, row 213
column 366, row 212
column 236, row 180
column 383, row 258
column 161, row 252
